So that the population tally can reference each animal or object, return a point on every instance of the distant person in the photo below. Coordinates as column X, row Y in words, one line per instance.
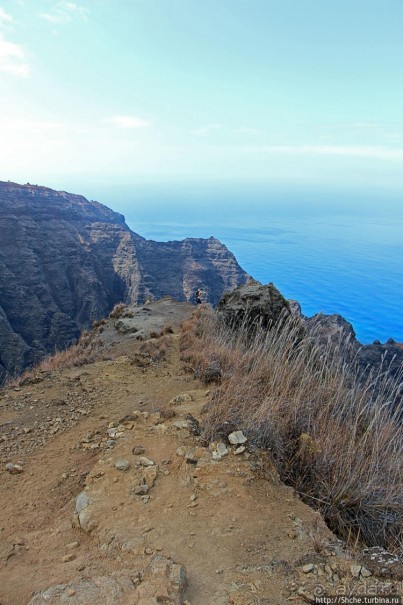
column 199, row 296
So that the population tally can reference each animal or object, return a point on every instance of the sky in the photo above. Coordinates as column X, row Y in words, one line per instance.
column 100, row 92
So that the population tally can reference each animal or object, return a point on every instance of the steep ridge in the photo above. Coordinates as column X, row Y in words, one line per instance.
column 66, row 261
column 119, row 500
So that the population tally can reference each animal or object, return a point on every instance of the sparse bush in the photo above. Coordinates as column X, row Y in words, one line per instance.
column 333, row 435
column 98, row 323
column 117, row 311
column 156, row 351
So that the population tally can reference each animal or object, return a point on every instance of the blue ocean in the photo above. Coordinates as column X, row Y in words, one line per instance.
column 334, row 251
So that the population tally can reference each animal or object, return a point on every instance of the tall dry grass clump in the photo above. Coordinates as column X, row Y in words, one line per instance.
column 333, row 434
column 79, row 354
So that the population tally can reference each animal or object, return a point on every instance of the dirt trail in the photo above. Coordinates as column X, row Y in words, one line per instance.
column 243, row 537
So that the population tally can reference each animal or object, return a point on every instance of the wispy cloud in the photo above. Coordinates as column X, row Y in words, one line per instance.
column 65, row 12
column 5, row 18
column 204, row 131
column 126, row 122
column 245, row 130
column 376, row 152
column 13, row 58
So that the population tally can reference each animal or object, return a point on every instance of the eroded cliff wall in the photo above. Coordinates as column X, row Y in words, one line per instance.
column 65, row 261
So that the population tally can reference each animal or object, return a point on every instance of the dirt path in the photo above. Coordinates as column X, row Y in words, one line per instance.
column 242, row 536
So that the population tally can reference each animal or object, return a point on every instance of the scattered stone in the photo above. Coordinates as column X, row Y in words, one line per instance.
column 240, row 450
column 14, row 469
column 220, row 451
column 71, row 592
column 181, row 451
column 140, row 490
column 150, row 474
column 194, row 454
column 68, row 558
column 72, row 545
column 365, row 572
column 138, row 450
column 237, row 438
column 355, row 570
column 145, row 461
column 181, row 424
column 308, row 568
column 122, row 464
column 84, row 513
column 148, row 551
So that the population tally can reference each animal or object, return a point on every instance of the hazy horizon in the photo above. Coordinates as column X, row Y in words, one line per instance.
column 99, row 92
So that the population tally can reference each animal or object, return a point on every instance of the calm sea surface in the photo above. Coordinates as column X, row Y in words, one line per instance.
column 333, row 251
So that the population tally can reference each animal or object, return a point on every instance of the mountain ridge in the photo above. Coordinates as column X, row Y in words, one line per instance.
column 66, row 261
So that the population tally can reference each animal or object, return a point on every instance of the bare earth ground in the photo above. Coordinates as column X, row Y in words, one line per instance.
column 242, row 536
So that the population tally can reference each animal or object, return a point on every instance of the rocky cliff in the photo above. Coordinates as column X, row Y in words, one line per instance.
column 65, row 261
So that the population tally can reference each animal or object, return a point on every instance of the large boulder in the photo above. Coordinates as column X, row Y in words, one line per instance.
column 254, row 303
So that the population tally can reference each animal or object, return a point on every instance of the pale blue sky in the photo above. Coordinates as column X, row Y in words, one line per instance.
column 132, row 91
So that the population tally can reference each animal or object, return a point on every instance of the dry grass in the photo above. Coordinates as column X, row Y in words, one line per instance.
column 117, row 311
column 76, row 355
column 155, row 350
column 333, row 435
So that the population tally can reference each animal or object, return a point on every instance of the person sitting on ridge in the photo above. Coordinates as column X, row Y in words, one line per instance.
column 199, row 294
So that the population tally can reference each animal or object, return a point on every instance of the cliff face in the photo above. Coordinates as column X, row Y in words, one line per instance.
column 65, row 261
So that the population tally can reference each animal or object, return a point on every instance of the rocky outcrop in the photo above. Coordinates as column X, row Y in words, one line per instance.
column 161, row 582
column 263, row 305
column 375, row 357
column 66, row 261
column 254, row 303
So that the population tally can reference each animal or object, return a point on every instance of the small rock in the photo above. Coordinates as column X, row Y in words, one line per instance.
column 365, row 572
column 140, row 490
column 68, row 558
column 14, row 469
column 237, row 438
column 122, row 464
column 355, row 570
column 308, row 568
column 145, row 461
column 240, row 450
column 71, row 592
column 181, row 451
column 138, row 450
column 181, row 424
column 220, row 451
column 148, row 551
column 150, row 474
column 72, row 545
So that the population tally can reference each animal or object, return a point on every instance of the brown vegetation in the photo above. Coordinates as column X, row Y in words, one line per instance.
column 334, row 436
